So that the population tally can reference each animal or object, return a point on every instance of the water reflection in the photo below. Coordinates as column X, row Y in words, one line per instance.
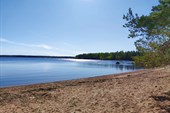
column 123, row 66
column 22, row 71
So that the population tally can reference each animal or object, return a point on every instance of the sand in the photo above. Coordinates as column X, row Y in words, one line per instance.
column 144, row 91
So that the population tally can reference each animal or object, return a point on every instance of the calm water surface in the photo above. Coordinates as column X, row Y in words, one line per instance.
column 15, row 71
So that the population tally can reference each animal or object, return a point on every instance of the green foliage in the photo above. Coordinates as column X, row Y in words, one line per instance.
column 153, row 32
column 110, row 56
column 153, row 59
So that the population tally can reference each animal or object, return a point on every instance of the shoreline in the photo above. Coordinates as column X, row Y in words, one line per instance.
column 123, row 74
column 140, row 91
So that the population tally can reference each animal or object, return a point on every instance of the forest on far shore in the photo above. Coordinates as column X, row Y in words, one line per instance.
column 121, row 55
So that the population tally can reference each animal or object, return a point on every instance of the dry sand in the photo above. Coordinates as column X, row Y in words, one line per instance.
column 146, row 91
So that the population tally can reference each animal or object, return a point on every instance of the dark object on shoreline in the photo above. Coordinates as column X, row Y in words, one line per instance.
column 117, row 62
column 128, row 75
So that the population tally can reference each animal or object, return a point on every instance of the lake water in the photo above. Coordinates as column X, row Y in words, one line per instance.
column 15, row 71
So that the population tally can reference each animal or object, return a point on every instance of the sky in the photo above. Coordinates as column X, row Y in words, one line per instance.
column 66, row 27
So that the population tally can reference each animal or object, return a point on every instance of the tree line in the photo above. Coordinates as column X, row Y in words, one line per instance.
column 119, row 55
column 153, row 35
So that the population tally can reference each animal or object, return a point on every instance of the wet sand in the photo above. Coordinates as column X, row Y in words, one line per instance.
column 144, row 91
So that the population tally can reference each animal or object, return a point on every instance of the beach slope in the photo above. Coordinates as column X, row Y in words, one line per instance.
column 144, row 91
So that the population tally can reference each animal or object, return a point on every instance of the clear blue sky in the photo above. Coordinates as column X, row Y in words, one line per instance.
column 66, row 27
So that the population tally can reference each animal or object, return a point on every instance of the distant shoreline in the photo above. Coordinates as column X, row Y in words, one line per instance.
column 39, row 56
column 36, row 56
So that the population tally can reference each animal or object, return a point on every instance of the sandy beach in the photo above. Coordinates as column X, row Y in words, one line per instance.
column 144, row 91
